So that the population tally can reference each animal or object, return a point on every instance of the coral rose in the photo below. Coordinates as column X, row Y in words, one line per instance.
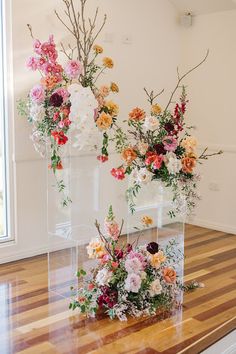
column 137, row 114
column 188, row 164
column 108, row 62
column 129, row 155
column 169, row 275
column 104, row 121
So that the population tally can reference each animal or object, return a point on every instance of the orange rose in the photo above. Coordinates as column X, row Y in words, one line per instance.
column 188, row 164
column 169, row 275
column 104, row 121
column 129, row 155
column 137, row 114
column 108, row 62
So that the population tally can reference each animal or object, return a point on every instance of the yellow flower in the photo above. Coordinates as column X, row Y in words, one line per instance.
column 147, row 221
column 104, row 121
column 108, row 62
column 98, row 49
column 112, row 107
column 189, row 143
column 114, row 87
column 157, row 259
column 156, row 109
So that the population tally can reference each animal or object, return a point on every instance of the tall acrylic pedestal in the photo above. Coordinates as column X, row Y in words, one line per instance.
column 71, row 227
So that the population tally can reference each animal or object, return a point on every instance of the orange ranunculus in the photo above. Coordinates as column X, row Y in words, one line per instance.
column 147, row 220
column 129, row 155
column 104, row 121
column 169, row 275
column 156, row 109
column 108, row 62
column 188, row 164
column 114, row 87
column 97, row 48
column 137, row 114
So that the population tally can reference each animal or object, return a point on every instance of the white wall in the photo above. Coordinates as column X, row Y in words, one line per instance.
column 149, row 61
column 212, row 109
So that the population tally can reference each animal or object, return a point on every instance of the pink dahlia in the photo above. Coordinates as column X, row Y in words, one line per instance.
column 170, row 143
column 74, row 69
column 37, row 94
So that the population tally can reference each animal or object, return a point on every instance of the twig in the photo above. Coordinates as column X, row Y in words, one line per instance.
column 180, row 79
column 31, row 30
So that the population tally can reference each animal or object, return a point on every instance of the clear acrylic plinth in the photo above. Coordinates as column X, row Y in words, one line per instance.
column 71, row 228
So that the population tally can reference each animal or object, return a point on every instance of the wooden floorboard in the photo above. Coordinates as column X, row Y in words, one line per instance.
column 34, row 320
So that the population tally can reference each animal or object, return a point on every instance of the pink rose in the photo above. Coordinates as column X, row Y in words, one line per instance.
column 170, row 143
column 32, row 63
column 63, row 93
column 37, row 94
column 73, row 69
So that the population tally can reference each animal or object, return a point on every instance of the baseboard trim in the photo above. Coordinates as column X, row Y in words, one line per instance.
column 212, row 225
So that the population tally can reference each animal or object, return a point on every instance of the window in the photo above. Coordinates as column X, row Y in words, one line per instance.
column 3, row 143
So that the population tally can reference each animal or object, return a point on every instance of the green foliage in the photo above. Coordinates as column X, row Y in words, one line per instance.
column 131, row 194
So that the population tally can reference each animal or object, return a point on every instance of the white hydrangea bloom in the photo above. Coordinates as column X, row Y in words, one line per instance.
column 83, row 106
column 143, row 176
column 103, row 277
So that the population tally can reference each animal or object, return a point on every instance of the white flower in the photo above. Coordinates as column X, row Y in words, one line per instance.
column 37, row 112
column 142, row 147
column 133, row 265
column 151, row 123
column 143, row 176
column 172, row 163
column 103, row 277
column 133, row 283
column 155, row 288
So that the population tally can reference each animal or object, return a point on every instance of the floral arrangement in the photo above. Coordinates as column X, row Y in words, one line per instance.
column 66, row 104
column 128, row 280
column 158, row 145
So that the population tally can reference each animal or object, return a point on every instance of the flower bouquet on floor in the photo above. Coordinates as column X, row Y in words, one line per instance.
column 66, row 105
column 128, row 280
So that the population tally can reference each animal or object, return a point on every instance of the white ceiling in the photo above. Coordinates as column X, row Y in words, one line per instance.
column 198, row 7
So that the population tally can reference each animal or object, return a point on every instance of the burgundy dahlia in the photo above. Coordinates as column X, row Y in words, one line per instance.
column 119, row 254
column 152, row 247
column 56, row 100
column 169, row 127
column 160, row 150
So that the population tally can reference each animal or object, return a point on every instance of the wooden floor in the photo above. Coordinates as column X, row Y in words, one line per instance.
column 33, row 321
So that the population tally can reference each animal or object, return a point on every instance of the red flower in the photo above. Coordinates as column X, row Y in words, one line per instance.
column 118, row 173
column 102, row 158
column 59, row 137
column 153, row 159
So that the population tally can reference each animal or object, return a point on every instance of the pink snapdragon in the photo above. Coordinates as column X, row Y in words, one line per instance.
column 74, row 69
column 112, row 229
column 37, row 94
column 37, row 47
column 170, row 143
column 102, row 158
column 32, row 63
